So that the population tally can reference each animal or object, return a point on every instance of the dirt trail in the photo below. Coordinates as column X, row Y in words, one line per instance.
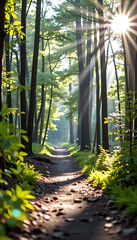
column 69, row 208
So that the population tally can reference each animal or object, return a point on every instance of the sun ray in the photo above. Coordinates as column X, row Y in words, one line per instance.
column 134, row 44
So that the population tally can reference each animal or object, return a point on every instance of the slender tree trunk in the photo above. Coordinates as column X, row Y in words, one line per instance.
column 84, row 82
column 42, row 121
column 129, row 135
column 78, row 140
column 103, row 78
column 23, row 74
column 47, row 124
column 17, row 115
column 34, row 76
column 40, row 113
column 51, row 96
column 97, row 131
column 118, row 95
column 71, row 120
column 8, row 75
column 2, row 37
column 42, row 90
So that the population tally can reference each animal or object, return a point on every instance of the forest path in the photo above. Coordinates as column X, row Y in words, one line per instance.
column 67, row 207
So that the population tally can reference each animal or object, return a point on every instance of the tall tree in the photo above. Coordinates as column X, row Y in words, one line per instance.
column 97, row 91
column 71, row 119
column 23, row 72
column 103, row 76
column 2, row 37
column 84, row 83
column 34, row 76
column 8, row 75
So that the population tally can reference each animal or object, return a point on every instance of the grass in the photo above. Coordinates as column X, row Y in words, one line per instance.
column 42, row 149
column 112, row 173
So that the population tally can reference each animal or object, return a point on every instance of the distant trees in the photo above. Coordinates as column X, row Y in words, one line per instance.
column 73, row 53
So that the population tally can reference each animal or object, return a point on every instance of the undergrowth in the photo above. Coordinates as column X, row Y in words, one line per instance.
column 42, row 149
column 112, row 172
column 14, row 201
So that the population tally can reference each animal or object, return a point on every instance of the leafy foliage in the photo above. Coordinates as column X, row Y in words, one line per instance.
column 14, row 203
column 113, row 173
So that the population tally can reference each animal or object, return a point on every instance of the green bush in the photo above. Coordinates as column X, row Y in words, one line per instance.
column 14, row 202
column 113, row 173
column 103, row 162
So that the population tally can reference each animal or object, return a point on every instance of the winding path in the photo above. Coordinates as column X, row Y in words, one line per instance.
column 69, row 208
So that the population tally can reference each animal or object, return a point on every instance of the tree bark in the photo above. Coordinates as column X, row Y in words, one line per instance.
column 84, row 82
column 8, row 75
column 97, row 131
column 103, row 77
column 34, row 76
column 23, row 74
column 71, row 140
column 2, row 37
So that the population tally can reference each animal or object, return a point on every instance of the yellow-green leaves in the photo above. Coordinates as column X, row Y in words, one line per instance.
column 16, row 23
column 106, row 120
column 12, row 26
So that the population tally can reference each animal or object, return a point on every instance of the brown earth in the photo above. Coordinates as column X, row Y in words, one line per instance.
column 67, row 207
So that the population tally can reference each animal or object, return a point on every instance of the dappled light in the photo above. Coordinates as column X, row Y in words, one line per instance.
column 68, row 122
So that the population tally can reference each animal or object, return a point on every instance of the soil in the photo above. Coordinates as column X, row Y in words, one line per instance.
column 67, row 207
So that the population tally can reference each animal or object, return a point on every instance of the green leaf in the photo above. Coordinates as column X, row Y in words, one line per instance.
column 13, row 15
column 25, row 138
column 5, row 144
column 116, row 138
column 7, row 16
column 5, row 238
column 11, row 32
column 106, row 120
column 3, row 128
column 16, row 23
column 23, row 153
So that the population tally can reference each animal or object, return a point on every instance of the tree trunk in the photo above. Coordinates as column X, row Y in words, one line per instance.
column 97, row 132
column 84, row 83
column 71, row 121
column 8, row 75
column 42, row 90
column 118, row 96
column 40, row 113
column 103, row 78
column 34, row 76
column 2, row 37
column 42, row 121
column 47, row 124
column 23, row 74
